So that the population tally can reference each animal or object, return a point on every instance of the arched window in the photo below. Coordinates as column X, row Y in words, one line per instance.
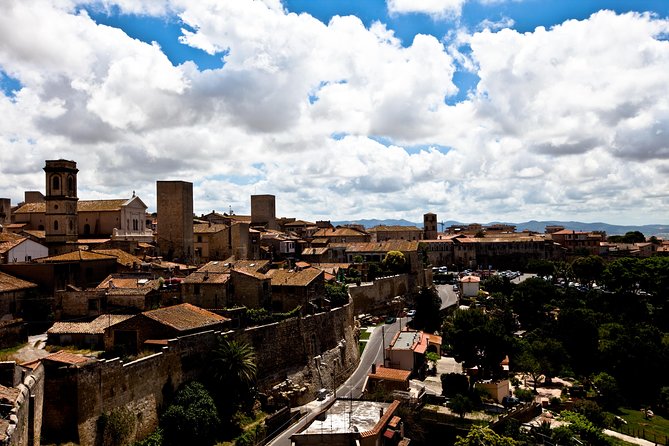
column 87, row 229
column 71, row 226
column 55, row 225
column 70, row 185
column 55, row 182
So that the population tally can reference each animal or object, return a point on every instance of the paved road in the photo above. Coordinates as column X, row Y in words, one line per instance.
column 447, row 295
column 352, row 388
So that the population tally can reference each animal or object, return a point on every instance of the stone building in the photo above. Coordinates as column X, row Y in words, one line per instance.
column 220, row 241
column 430, row 226
column 60, row 217
column 263, row 211
column 384, row 233
column 290, row 288
column 175, row 219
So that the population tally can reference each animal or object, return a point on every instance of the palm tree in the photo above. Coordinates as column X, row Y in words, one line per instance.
column 234, row 369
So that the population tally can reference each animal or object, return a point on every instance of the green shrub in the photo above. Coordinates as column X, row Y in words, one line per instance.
column 117, row 427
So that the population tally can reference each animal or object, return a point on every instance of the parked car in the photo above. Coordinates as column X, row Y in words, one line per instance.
column 390, row 319
column 411, row 313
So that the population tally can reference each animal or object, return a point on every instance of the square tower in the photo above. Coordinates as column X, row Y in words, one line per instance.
column 430, row 226
column 60, row 217
column 263, row 211
column 175, row 219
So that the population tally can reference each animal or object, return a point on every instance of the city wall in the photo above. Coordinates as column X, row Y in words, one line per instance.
column 314, row 351
column 373, row 297
column 25, row 419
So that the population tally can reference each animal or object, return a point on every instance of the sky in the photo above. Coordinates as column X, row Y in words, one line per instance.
column 476, row 110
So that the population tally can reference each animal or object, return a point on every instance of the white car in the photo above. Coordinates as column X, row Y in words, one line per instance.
column 411, row 313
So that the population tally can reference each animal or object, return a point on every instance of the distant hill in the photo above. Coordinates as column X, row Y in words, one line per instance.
column 532, row 225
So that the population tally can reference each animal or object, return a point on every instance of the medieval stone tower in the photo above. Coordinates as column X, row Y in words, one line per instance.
column 263, row 211
column 60, row 218
column 175, row 219
column 430, row 226
column 5, row 211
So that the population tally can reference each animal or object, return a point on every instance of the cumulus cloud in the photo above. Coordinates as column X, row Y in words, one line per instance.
column 570, row 121
column 434, row 8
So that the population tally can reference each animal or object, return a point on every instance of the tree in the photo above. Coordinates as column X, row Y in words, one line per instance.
column 484, row 436
column 192, row 418
column 607, row 388
column 588, row 269
column 427, row 316
column 461, row 405
column 395, row 261
column 336, row 293
column 234, row 370
column 453, row 384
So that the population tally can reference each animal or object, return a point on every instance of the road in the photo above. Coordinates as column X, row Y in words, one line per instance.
column 447, row 295
column 352, row 387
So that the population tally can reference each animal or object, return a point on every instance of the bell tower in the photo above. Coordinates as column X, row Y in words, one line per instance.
column 61, row 202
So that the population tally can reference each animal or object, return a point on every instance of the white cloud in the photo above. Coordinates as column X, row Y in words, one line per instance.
column 434, row 8
column 568, row 122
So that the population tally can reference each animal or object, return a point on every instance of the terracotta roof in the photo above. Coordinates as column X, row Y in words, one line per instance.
column 185, row 317
column 123, row 282
column 65, row 357
column 35, row 233
column 96, row 326
column 314, row 251
column 6, row 246
column 8, row 395
column 390, row 374
column 75, row 256
column 394, row 228
column 300, row 223
column 339, row 232
column 384, row 247
column 122, row 257
column 284, row 277
column 10, row 283
column 207, row 277
column 208, row 229
column 470, row 279
column 82, row 206
column 394, row 422
column 9, row 237
column 302, row 264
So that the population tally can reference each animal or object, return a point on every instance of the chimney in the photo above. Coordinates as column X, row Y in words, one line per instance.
column 373, row 368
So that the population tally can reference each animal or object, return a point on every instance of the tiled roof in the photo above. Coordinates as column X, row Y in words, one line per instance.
column 9, row 237
column 300, row 223
column 82, row 206
column 314, row 251
column 208, row 229
column 122, row 257
column 284, row 277
column 8, row 395
column 395, row 228
column 470, row 279
column 96, row 326
column 207, row 277
column 390, row 374
column 10, row 283
column 123, row 282
column 184, row 317
column 339, row 232
column 75, row 256
column 67, row 358
column 384, row 247
column 35, row 233
column 6, row 246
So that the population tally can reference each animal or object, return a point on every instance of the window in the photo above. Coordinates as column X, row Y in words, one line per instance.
column 70, row 185
column 55, row 225
column 55, row 183
column 135, row 225
column 93, row 305
column 196, row 289
column 71, row 225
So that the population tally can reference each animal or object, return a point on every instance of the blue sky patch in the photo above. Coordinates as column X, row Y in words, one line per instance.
column 163, row 30
column 8, row 85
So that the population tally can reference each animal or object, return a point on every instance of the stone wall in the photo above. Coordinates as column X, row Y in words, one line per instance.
column 374, row 297
column 12, row 333
column 25, row 420
column 315, row 350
